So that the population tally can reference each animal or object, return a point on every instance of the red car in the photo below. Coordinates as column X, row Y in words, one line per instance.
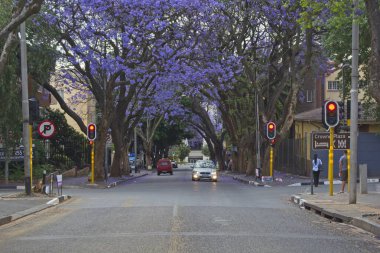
column 164, row 165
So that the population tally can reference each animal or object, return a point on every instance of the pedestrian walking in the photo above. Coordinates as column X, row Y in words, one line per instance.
column 343, row 171
column 317, row 167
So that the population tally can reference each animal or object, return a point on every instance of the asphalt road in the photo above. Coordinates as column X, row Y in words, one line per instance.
column 173, row 214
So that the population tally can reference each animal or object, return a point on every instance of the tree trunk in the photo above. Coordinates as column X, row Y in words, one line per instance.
column 100, row 144
column 116, row 166
column 373, row 14
column 124, row 159
column 6, row 173
column 148, row 154
column 219, row 156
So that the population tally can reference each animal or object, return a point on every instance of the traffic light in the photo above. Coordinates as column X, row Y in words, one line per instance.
column 360, row 111
column 348, row 109
column 341, row 110
column 331, row 116
column 271, row 130
column 91, row 132
column 34, row 110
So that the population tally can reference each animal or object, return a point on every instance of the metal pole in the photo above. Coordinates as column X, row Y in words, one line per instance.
column 92, row 162
column 25, row 109
column 105, row 113
column 258, row 160
column 135, row 147
column 331, row 161
column 354, row 105
column 31, row 156
column 271, row 162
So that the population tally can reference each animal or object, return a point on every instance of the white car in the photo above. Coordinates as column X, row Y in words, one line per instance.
column 204, row 169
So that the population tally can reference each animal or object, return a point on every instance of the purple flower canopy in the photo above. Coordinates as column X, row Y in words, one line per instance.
column 167, row 48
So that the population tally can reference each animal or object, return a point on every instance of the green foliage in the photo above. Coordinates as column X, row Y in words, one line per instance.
column 181, row 151
column 338, row 38
column 168, row 135
column 205, row 150
column 68, row 147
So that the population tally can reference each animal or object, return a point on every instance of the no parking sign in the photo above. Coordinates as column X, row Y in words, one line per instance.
column 46, row 129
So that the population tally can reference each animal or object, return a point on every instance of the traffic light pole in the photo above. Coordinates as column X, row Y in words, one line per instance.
column 92, row 162
column 331, row 162
column 271, row 162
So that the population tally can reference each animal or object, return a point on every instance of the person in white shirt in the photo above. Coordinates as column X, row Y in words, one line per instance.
column 317, row 165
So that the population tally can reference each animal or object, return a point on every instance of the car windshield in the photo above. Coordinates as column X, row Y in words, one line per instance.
column 204, row 165
column 164, row 163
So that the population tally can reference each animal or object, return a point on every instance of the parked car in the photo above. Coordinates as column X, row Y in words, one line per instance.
column 164, row 165
column 174, row 165
column 204, row 169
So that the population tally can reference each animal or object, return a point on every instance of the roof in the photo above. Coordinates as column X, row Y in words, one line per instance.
column 312, row 115
column 315, row 115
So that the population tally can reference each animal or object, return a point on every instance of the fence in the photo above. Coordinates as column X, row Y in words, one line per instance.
column 291, row 156
column 294, row 155
column 66, row 153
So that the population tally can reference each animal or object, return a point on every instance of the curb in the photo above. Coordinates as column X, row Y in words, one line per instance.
column 21, row 214
column 335, row 182
column 251, row 182
column 124, row 180
column 367, row 225
column 359, row 222
column 102, row 186
column 12, row 187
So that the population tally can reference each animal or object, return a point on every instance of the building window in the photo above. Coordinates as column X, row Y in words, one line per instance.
column 309, row 96
column 333, row 85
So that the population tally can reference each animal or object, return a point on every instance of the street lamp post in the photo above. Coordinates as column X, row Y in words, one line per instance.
column 25, row 111
column 258, row 160
column 354, row 104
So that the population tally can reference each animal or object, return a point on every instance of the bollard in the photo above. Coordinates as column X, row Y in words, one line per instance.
column 363, row 178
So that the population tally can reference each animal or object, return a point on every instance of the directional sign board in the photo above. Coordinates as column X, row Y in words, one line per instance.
column 46, row 129
column 321, row 140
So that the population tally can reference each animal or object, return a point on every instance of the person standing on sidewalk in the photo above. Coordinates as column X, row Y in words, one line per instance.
column 343, row 172
column 317, row 165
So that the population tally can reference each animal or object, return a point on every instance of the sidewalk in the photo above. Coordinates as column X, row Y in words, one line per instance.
column 364, row 214
column 284, row 179
column 280, row 179
column 15, row 204
column 82, row 182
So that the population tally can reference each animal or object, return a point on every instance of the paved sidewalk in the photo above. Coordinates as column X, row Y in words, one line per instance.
column 364, row 214
column 280, row 179
column 15, row 204
column 284, row 179
column 82, row 182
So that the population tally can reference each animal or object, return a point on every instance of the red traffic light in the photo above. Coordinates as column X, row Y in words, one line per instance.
column 331, row 107
column 91, row 132
column 271, row 130
column 331, row 113
column 91, row 143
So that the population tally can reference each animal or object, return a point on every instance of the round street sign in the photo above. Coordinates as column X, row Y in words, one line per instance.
column 46, row 129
